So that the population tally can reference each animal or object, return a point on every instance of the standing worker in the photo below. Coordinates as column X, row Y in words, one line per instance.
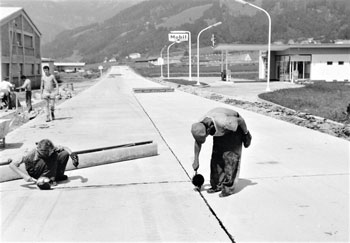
column 5, row 93
column 47, row 88
column 229, row 131
column 27, row 86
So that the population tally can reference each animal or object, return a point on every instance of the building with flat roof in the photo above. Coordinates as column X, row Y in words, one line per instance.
column 69, row 67
column 329, row 62
column 20, row 46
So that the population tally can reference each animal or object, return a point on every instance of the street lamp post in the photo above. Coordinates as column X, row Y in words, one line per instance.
column 200, row 32
column 168, row 57
column 189, row 50
column 162, row 62
column 269, row 40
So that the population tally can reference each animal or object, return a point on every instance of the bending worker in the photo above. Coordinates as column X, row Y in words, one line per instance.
column 46, row 160
column 229, row 131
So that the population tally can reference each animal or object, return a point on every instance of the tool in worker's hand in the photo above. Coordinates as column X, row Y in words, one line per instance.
column 43, row 183
column 198, row 180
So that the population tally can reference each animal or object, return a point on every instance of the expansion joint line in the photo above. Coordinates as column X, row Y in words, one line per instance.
column 178, row 160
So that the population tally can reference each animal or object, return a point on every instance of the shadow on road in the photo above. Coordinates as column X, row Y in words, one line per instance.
column 241, row 184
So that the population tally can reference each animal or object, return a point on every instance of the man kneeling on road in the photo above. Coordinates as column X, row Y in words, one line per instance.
column 45, row 161
column 229, row 131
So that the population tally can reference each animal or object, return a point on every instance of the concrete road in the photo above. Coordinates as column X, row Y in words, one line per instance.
column 294, row 182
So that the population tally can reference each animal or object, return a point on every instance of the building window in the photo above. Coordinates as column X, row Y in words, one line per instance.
column 33, row 71
column 39, row 68
column 340, row 63
column 5, row 70
column 329, row 63
column 18, row 39
column 28, row 41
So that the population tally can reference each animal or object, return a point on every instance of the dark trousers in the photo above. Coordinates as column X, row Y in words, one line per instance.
column 7, row 98
column 29, row 100
column 225, row 158
column 52, row 167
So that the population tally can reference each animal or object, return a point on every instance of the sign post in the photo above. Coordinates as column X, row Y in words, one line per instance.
column 179, row 36
column 100, row 68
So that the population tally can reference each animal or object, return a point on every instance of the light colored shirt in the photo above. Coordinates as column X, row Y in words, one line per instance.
column 6, row 85
column 49, row 83
column 27, row 85
column 224, row 119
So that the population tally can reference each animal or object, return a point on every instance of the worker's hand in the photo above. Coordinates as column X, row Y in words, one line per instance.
column 75, row 159
column 195, row 164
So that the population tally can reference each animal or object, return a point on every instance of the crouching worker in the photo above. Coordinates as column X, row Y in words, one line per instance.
column 45, row 161
column 229, row 131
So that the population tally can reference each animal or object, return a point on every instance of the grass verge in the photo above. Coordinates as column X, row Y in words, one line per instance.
column 324, row 99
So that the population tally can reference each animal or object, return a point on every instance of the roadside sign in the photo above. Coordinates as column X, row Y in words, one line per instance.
column 178, row 37
column 100, row 67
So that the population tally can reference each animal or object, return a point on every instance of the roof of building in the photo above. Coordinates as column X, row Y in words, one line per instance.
column 8, row 13
column 47, row 59
column 275, row 47
column 69, row 64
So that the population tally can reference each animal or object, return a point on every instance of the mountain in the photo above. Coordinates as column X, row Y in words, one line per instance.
column 54, row 16
column 144, row 27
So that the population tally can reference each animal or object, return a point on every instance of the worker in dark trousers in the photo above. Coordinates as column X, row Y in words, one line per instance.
column 229, row 132
column 27, row 86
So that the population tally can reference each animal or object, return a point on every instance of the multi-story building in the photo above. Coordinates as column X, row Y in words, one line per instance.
column 20, row 46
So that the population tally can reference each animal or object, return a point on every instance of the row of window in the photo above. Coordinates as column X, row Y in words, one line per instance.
column 27, row 69
column 17, row 40
column 339, row 63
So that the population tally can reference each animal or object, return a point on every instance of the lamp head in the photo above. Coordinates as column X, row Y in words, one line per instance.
column 241, row 1
column 218, row 23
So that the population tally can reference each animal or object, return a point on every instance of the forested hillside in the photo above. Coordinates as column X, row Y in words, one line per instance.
column 144, row 27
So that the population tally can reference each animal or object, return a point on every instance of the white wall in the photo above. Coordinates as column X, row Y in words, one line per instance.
column 321, row 71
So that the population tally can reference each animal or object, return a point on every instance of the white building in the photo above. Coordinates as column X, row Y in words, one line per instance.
column 69, row 67
column 134, row 55
column 329, row 62
column 19, row 46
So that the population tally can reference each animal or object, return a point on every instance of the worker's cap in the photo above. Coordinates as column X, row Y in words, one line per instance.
column 45, row 147
column 199, row 132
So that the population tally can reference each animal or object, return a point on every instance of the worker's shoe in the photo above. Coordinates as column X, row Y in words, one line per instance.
column 62, row 178
column 225, row 193
column 213, row 190
column 247, row 139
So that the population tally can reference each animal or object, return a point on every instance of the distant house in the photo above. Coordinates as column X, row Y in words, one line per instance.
column 69, row 67
column 20, row 46
column 329, row 62
column 134, row 55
